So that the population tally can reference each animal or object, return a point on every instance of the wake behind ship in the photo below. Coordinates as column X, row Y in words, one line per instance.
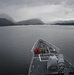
column 47, row 60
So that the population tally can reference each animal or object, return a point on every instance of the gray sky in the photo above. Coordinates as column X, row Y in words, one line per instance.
column 46, row 10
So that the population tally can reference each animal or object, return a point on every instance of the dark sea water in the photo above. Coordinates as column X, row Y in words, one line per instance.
column 16, row 43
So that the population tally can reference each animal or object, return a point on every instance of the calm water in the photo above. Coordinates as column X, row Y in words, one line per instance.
column 16, row 43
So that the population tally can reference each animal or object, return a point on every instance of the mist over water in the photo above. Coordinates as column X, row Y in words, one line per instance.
column 16, row 43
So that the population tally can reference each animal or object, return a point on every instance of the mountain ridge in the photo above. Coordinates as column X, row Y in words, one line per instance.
column 6, row 22
column 63, row 22
column 31, row 22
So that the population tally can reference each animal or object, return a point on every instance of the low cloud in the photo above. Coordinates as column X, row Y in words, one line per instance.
column 46, row 10
column 28, row 2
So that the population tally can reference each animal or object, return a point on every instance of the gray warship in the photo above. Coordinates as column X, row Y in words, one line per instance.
column 48, row 60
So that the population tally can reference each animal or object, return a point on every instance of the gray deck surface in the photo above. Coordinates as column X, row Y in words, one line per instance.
column 40, row 67
column 38, row 64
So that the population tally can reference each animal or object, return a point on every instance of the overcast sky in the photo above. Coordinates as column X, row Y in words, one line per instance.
column 46, row 10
